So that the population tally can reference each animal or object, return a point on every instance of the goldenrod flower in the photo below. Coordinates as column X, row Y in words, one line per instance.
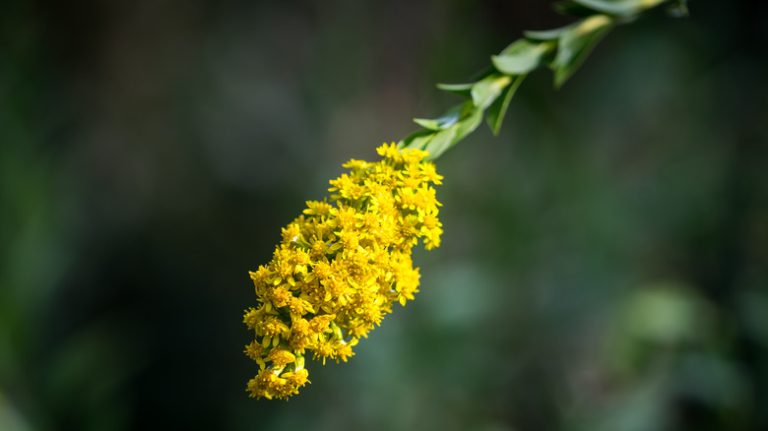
column 340, row 267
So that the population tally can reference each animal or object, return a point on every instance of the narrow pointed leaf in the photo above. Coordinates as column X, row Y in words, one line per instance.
column 416, row 140
column 485, row 91
column 440, row 142
column 498, row 110
column 444, row 121
column 521, row 57
column 445, row 139
column 460, row 89
column 427, row 123
column 468, row 125
column 544, row 35
column 619, row 7
column 576, row 42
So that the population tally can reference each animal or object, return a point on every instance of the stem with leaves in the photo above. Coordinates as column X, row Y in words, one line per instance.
column 562, row 50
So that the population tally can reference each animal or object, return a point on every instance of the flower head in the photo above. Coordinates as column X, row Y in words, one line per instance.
column 340, row 267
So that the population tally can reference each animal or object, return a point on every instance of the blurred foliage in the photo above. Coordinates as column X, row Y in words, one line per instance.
column 605, row 260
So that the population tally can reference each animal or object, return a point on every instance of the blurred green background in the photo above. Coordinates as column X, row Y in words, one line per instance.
column 605, row 260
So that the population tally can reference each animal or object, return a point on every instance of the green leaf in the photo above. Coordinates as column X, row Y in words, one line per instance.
column 485, row 91
column 468, row 124
column 437, row 141
column 575, row 43
column 417, row 139
column 619, row 7
column 427, row 123
column 521, row 57
column 460, row 89
column 465, row 90
column 498, row 110
column 447, row 138
column 446, row 120
column 545, row 35
column 440, row 142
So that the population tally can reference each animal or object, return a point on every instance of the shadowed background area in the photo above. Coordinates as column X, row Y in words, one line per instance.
column 605, row 259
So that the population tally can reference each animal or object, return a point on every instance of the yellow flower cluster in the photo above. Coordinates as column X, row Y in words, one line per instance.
column 341, row 266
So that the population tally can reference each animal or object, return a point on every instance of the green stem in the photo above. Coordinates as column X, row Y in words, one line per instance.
column 562, row 50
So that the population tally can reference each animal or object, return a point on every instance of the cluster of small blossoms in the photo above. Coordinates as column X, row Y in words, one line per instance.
column 340, row 267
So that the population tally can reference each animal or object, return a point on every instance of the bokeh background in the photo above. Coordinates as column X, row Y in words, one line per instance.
column 605, row 259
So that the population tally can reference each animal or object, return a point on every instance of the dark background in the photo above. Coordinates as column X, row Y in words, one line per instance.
column 605, row 260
